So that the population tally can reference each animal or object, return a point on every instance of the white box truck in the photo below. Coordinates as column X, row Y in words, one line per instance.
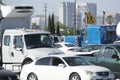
column 21, row 46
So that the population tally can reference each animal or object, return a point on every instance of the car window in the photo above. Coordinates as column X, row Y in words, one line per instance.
column 69, row 45
column 43, row 61
column 109, row 52
column 7, row 40
column 56, row 61
column 85, row 49
column 118, row 48
column 75, row 61
column 57, row 46
column 18, row 41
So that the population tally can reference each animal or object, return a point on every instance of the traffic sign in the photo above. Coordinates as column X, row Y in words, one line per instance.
column 90, row 18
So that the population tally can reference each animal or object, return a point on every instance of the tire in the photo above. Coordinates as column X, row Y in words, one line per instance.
column 74, row 76
column 32, row 76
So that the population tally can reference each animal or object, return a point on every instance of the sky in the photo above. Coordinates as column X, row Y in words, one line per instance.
column 52, row 5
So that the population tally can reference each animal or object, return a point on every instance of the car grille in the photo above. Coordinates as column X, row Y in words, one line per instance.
column 103, row 73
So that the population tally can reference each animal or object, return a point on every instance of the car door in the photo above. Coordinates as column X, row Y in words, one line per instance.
column 58, row 72
column 43, row 68
column 6, row 49
column 108, row 61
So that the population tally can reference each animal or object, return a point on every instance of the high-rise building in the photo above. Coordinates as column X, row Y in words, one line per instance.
column 82, row 9
column 66, row 13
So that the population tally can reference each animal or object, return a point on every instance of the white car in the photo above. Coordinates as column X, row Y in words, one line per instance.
column 64, row 67
column 89, row 50
column 78, row 53
column 116, row 42
column 65, row 46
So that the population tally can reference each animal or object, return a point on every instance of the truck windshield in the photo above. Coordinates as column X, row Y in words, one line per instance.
column 38, row 41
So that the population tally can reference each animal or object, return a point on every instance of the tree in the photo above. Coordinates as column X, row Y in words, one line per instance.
column 58, row 29
column 52, row 25
column 49, row 23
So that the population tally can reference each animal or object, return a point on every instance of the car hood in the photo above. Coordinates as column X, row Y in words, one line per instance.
column 93, row 68
column 34, row 53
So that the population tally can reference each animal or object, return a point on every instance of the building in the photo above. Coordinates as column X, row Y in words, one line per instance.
column 66, row 13
column 109, row 19
column 112, row 18
column 83, row 8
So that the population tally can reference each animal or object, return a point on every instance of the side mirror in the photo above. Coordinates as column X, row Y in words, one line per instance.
column 18, row 49
column 61, row 65
column 115, row 56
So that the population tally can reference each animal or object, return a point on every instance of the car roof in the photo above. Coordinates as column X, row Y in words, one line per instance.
column 111, row 45
column 61, row 55
column 63, row 43
column 116, row 41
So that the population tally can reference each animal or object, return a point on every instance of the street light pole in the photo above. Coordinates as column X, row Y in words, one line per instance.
column 75, row 19
column 45, row 16
column 86, row 36
column 103, row 17
column 75, row 24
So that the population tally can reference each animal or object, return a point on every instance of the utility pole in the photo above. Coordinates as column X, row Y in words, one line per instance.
column 75, row 24
column 45, row 16
column 86, row 23
column 75, row 19
column 103, row 17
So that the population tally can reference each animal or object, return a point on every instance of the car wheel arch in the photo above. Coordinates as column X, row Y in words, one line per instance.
column 26, row 61
column 74, row 73
column 32, row 73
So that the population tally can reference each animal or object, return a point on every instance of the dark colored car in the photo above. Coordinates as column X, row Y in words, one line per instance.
column 7, row 74
column 107, row 56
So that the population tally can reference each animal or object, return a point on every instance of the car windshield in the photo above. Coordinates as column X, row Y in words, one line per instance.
column 38, row 41
column 118, row 48
column 76, row 61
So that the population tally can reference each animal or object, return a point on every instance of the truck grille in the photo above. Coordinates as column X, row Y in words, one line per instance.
column 103, row 73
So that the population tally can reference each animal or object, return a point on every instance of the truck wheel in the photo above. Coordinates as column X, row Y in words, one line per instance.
column 74, row 76
column 32, row 76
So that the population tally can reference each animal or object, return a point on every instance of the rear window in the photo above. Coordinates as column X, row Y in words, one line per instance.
column 69, row 45
column 43, row 61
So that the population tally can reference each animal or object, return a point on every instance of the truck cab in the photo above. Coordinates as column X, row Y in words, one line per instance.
column 22, row 46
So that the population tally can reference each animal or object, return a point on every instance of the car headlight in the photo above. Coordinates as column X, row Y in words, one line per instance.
column 89, row 72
